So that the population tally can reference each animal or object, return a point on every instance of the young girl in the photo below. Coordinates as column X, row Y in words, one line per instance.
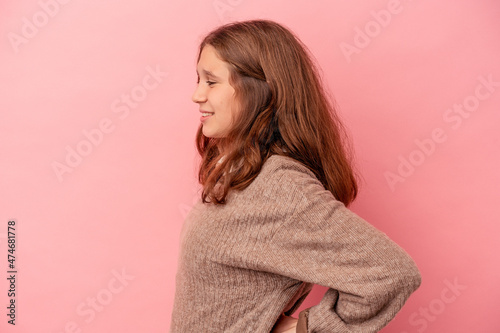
column 272, row 218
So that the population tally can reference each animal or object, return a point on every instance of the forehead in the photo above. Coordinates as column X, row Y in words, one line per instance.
column 210, row 63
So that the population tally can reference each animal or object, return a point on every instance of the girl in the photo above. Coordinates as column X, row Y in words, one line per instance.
column 272, row 218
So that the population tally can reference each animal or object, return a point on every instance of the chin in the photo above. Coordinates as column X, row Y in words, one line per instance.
column 210, row 135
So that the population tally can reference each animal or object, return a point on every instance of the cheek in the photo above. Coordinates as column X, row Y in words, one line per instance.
column 228, row 102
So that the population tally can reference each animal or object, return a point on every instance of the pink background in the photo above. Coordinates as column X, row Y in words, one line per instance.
column 396, row 70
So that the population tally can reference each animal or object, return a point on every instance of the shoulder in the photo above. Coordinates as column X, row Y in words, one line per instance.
column 285, row 162
column 285, row 168
column 286, row 175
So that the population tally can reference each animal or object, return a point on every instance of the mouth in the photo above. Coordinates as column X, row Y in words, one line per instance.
column 205, row 115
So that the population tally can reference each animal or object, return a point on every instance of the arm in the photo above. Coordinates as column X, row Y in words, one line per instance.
column 368, row 275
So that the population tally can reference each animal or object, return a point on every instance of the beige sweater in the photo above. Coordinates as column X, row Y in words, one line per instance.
column 244, row 263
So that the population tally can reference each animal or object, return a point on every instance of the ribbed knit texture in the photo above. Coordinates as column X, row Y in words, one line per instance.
column 244, row 263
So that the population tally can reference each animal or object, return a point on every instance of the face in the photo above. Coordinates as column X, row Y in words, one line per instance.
column 214, row 94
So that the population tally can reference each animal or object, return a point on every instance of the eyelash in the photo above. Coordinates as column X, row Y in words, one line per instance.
column 210, row 83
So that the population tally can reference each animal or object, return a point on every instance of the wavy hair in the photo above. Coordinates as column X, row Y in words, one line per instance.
column 283, row 109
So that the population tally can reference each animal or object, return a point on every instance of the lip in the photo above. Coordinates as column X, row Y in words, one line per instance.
column 202, row 118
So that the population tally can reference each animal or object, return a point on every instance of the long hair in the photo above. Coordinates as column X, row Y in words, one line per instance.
column 283, row 109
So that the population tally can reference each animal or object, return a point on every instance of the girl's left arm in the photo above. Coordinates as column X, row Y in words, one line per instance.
column 368, row 275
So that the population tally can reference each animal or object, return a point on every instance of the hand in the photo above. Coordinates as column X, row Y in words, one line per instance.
column 285, row 324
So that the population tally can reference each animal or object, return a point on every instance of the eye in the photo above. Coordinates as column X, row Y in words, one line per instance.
column 210, row 83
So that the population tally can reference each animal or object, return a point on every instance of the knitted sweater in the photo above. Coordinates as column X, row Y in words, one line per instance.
column 244, row 263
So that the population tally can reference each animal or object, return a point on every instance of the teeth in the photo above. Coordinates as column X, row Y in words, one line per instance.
column 206, row 114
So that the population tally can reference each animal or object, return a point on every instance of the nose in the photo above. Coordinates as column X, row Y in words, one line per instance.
column 199, row 95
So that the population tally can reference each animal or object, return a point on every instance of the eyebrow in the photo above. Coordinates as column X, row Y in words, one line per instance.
column 208, row 73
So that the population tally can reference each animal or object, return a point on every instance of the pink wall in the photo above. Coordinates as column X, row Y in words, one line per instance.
column 97, row 155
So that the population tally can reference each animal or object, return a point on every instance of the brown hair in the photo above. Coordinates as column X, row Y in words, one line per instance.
column 284, row 110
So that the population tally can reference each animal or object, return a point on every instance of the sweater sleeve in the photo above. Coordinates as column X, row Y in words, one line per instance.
column 322, row 242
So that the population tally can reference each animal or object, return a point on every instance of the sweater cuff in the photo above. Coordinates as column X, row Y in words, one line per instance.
column 302, row 322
